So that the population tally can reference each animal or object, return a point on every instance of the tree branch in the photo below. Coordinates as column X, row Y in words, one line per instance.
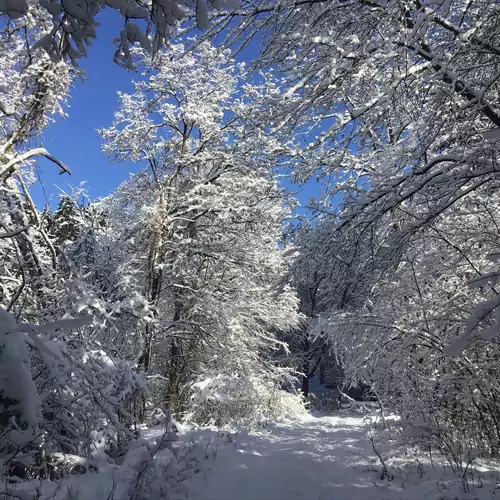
column 10, row 167
column 14, row 232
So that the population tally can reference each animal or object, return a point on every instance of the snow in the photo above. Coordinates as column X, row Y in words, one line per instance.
column 316, row 457
column 321, row 458
column 312, row 460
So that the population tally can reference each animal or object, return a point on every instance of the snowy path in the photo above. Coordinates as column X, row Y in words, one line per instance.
column 319, row 459
column 326, row 458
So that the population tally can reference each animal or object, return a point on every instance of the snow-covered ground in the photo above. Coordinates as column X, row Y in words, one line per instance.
column 324, row 458
column 318, row 458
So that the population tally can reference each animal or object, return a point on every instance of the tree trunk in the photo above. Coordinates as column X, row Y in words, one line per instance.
column 143, row 364
column 173, row 374
column 305, row 386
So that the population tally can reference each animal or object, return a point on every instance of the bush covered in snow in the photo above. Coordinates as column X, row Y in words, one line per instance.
column 58, row 397
column 231, row 399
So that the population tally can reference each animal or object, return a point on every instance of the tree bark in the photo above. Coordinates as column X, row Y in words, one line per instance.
column 305, row 385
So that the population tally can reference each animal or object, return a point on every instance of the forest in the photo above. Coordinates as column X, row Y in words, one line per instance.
column 150, row 338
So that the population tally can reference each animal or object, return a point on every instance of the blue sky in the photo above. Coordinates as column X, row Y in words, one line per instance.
column 74, row 140
column 93, row 101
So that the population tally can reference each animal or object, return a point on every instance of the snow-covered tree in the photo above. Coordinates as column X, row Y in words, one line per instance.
column 397, row 104
column 57, row 392
column 73, row 22
column 32, row 89
column 194, row 237
column 418, row 333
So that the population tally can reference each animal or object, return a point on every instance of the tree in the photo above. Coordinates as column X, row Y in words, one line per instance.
column 334, row 272
column 33, row 88
column 397, row 103
column 399, row 97
column 72, row 24
column 57, row 393
column 198, row 229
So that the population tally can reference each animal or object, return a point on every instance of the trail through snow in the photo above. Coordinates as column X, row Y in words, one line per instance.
column 319, row 459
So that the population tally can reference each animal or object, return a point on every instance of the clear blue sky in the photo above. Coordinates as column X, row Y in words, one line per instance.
column 93, row 101
column 74, row 140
